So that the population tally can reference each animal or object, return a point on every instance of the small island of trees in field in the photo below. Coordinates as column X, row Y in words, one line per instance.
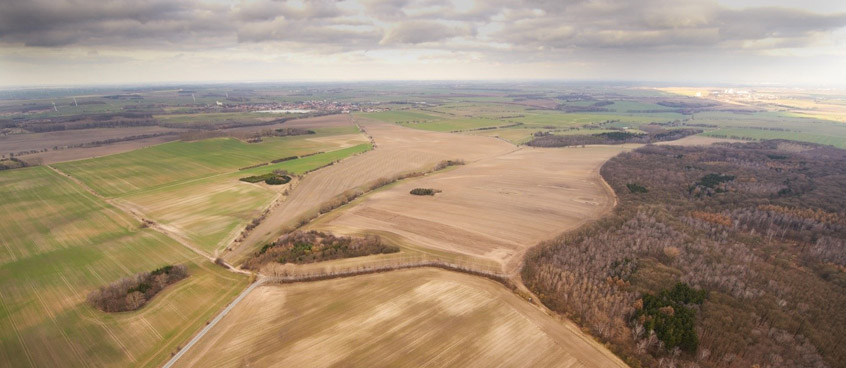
column 277, row 177
column 131, row 293
column 424, row 191
column 313, row 246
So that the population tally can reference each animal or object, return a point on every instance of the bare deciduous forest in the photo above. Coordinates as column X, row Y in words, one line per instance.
column 314, row 246
column 758, row 227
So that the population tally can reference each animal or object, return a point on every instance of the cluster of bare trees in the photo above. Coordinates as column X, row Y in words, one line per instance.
column 131, row 293
column 769, row 248
column 314, row 246
column 283, row 276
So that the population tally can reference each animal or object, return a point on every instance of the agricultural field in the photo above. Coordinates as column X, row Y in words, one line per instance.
column 421, row 318
column 63, row 242
column 170, row 163
column 453, row 125
column 48, row 140
column 400, row 116
column 89, row 216
column 399, row 150
column 211, row 211
column 494, row 209
column 758, row 134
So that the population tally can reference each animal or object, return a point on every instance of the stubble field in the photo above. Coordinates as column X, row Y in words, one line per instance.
column 420, row 318
column 494, row 209
column 399, row 150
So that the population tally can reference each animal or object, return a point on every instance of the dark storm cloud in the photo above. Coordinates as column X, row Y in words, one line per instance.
column 528, row 25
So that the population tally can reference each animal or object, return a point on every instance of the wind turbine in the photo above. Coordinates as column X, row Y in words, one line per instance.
column 54, row 106
column 195, row 99
column 74, row 102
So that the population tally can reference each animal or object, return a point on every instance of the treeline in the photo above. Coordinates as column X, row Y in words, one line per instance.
column 131, row 293
column 89, row 121
column 313, row 246
column 12, row 163
column 768, row 248
column 545, row 139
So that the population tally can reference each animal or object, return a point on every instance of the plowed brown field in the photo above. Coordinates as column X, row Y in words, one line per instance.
column 411, row 318
column 494, row 208
column 398, row 150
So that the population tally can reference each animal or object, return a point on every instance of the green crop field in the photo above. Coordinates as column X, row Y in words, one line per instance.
column 399, row 116
column 454, row 125
column 211, row 211
column 173, row 162
column 59, row 243
column 756, row 134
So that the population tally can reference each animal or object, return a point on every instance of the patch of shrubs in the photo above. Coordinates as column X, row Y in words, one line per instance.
column 277, row 177
column 425, row 191
column 671, row 316
column 712, row 180
column 131, row 293
column 313, row 246
column 636, row 188
column 11, row 163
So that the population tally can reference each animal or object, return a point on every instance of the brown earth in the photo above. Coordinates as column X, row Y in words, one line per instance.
column 495, row 208
column 415, row 318
column 398, row 150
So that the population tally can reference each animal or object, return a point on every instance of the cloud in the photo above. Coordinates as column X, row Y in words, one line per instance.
column 497, row 32
column 422, row 31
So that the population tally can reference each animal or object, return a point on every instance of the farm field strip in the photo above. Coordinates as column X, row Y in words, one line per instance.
column 169, row 163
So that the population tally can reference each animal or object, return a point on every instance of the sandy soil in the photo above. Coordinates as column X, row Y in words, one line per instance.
column 414, row 318
column 698, row 140
column 398, row 150
column 495, row 208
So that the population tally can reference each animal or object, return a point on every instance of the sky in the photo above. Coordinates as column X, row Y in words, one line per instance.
column 92, row 42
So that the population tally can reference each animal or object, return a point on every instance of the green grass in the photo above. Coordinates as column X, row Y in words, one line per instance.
column 173, row 162
column 211, row 211
column 454, row 125
column 398, row 116
column 756, row 134
column 304, row 164
column 61, row 242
